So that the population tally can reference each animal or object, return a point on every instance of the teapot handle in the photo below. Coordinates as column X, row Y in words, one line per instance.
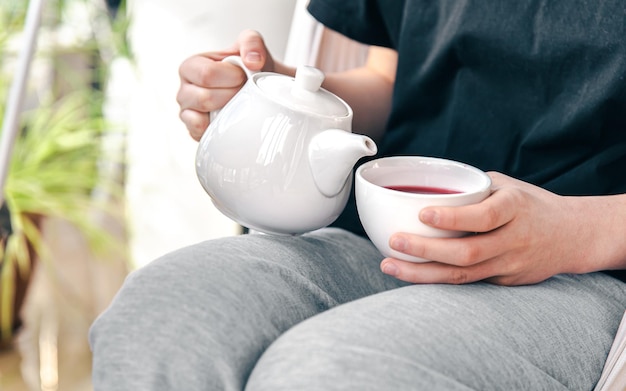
column 235, row 60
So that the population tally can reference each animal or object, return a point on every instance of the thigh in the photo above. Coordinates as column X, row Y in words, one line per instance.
column 198, row 318
column 550, row 336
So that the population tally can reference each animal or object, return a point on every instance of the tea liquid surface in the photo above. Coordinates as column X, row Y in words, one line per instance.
column 423, row 189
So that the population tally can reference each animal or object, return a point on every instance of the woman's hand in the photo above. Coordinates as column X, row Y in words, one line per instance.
column 207, row 84
column 524, row 235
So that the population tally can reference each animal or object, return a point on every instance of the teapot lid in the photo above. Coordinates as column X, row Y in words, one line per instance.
column 303, row 93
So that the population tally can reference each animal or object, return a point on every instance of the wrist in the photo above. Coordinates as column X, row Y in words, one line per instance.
column 605, row 231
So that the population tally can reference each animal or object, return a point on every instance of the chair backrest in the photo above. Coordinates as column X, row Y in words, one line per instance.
column 310, row 43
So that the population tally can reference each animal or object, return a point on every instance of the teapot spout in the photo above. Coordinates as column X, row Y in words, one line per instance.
column 332, row 155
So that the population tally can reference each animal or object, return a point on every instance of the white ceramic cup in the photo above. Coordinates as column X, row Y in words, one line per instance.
column 430, row 181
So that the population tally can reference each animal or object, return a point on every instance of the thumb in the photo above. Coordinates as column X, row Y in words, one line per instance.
column 253, row 51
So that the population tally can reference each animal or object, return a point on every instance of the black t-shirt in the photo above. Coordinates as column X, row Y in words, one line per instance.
column 535, row 90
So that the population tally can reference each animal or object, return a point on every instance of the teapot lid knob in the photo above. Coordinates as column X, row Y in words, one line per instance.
column 309, row 78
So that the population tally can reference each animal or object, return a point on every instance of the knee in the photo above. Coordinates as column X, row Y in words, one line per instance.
column 336, row 350
column 212, row 285
column 170, row 292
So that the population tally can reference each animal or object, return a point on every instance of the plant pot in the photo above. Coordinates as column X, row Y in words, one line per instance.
column 20, row 281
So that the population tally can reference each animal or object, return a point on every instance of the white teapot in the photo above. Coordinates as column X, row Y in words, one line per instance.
column 278, row 157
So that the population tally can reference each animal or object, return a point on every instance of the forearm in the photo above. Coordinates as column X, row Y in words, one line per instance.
column 368, row 94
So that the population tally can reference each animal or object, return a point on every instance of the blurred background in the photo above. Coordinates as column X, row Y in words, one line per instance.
column 101, row 178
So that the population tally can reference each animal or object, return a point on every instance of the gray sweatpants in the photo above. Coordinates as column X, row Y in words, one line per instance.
column 314, row 312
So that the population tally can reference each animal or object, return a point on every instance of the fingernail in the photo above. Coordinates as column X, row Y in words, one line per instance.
column 429, row 216
column 253, row 57
column 398, row 243
column 390, row 268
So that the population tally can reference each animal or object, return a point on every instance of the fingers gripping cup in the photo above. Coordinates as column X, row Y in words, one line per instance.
column 391, row 192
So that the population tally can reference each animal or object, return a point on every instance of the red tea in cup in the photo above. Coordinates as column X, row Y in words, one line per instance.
column 422, row 189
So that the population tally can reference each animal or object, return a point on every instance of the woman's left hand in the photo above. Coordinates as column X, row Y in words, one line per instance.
column 524, row 235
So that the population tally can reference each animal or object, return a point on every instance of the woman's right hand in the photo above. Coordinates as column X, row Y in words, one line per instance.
column 207, row 83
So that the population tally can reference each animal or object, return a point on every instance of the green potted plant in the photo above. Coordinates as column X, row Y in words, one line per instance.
column 54, row 170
